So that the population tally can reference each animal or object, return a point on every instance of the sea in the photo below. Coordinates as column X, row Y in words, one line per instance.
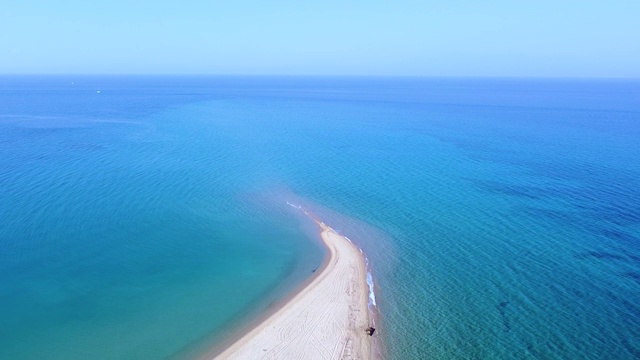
column 154, row 217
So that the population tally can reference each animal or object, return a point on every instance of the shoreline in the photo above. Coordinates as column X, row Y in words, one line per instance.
column 244, row 329
column 325, row 317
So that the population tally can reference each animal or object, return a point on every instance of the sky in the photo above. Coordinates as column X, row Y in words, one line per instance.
column 543, row 38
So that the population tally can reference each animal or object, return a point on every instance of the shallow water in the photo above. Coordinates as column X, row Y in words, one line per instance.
column 500, row 217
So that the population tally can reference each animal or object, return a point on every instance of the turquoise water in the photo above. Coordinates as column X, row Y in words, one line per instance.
column 500, row 217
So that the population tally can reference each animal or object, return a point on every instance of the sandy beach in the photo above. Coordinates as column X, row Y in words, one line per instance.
column 327, row 319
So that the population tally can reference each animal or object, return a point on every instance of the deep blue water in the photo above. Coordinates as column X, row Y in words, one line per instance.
column 144, row 217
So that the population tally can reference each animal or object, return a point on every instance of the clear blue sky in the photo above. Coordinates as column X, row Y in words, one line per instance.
column 583, row 38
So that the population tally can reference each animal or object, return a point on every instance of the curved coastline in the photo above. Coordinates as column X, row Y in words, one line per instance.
column 324, row 319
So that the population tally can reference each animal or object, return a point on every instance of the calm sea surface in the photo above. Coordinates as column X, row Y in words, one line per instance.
column 145, row 217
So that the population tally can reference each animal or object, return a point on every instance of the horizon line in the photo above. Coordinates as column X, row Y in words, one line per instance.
column 532, row 77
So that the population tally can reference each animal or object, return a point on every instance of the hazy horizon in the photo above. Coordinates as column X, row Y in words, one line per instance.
column 328, row 76
column 587, row 39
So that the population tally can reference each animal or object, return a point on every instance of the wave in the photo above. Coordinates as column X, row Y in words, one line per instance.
column 294, row 206
column 372, row 295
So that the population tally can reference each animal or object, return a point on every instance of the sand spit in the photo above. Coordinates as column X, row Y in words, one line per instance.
column 327, row 319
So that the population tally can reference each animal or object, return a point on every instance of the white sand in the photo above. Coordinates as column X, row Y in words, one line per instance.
column 325, row 320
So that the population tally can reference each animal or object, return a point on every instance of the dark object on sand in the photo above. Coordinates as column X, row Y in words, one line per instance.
column 370, row 330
